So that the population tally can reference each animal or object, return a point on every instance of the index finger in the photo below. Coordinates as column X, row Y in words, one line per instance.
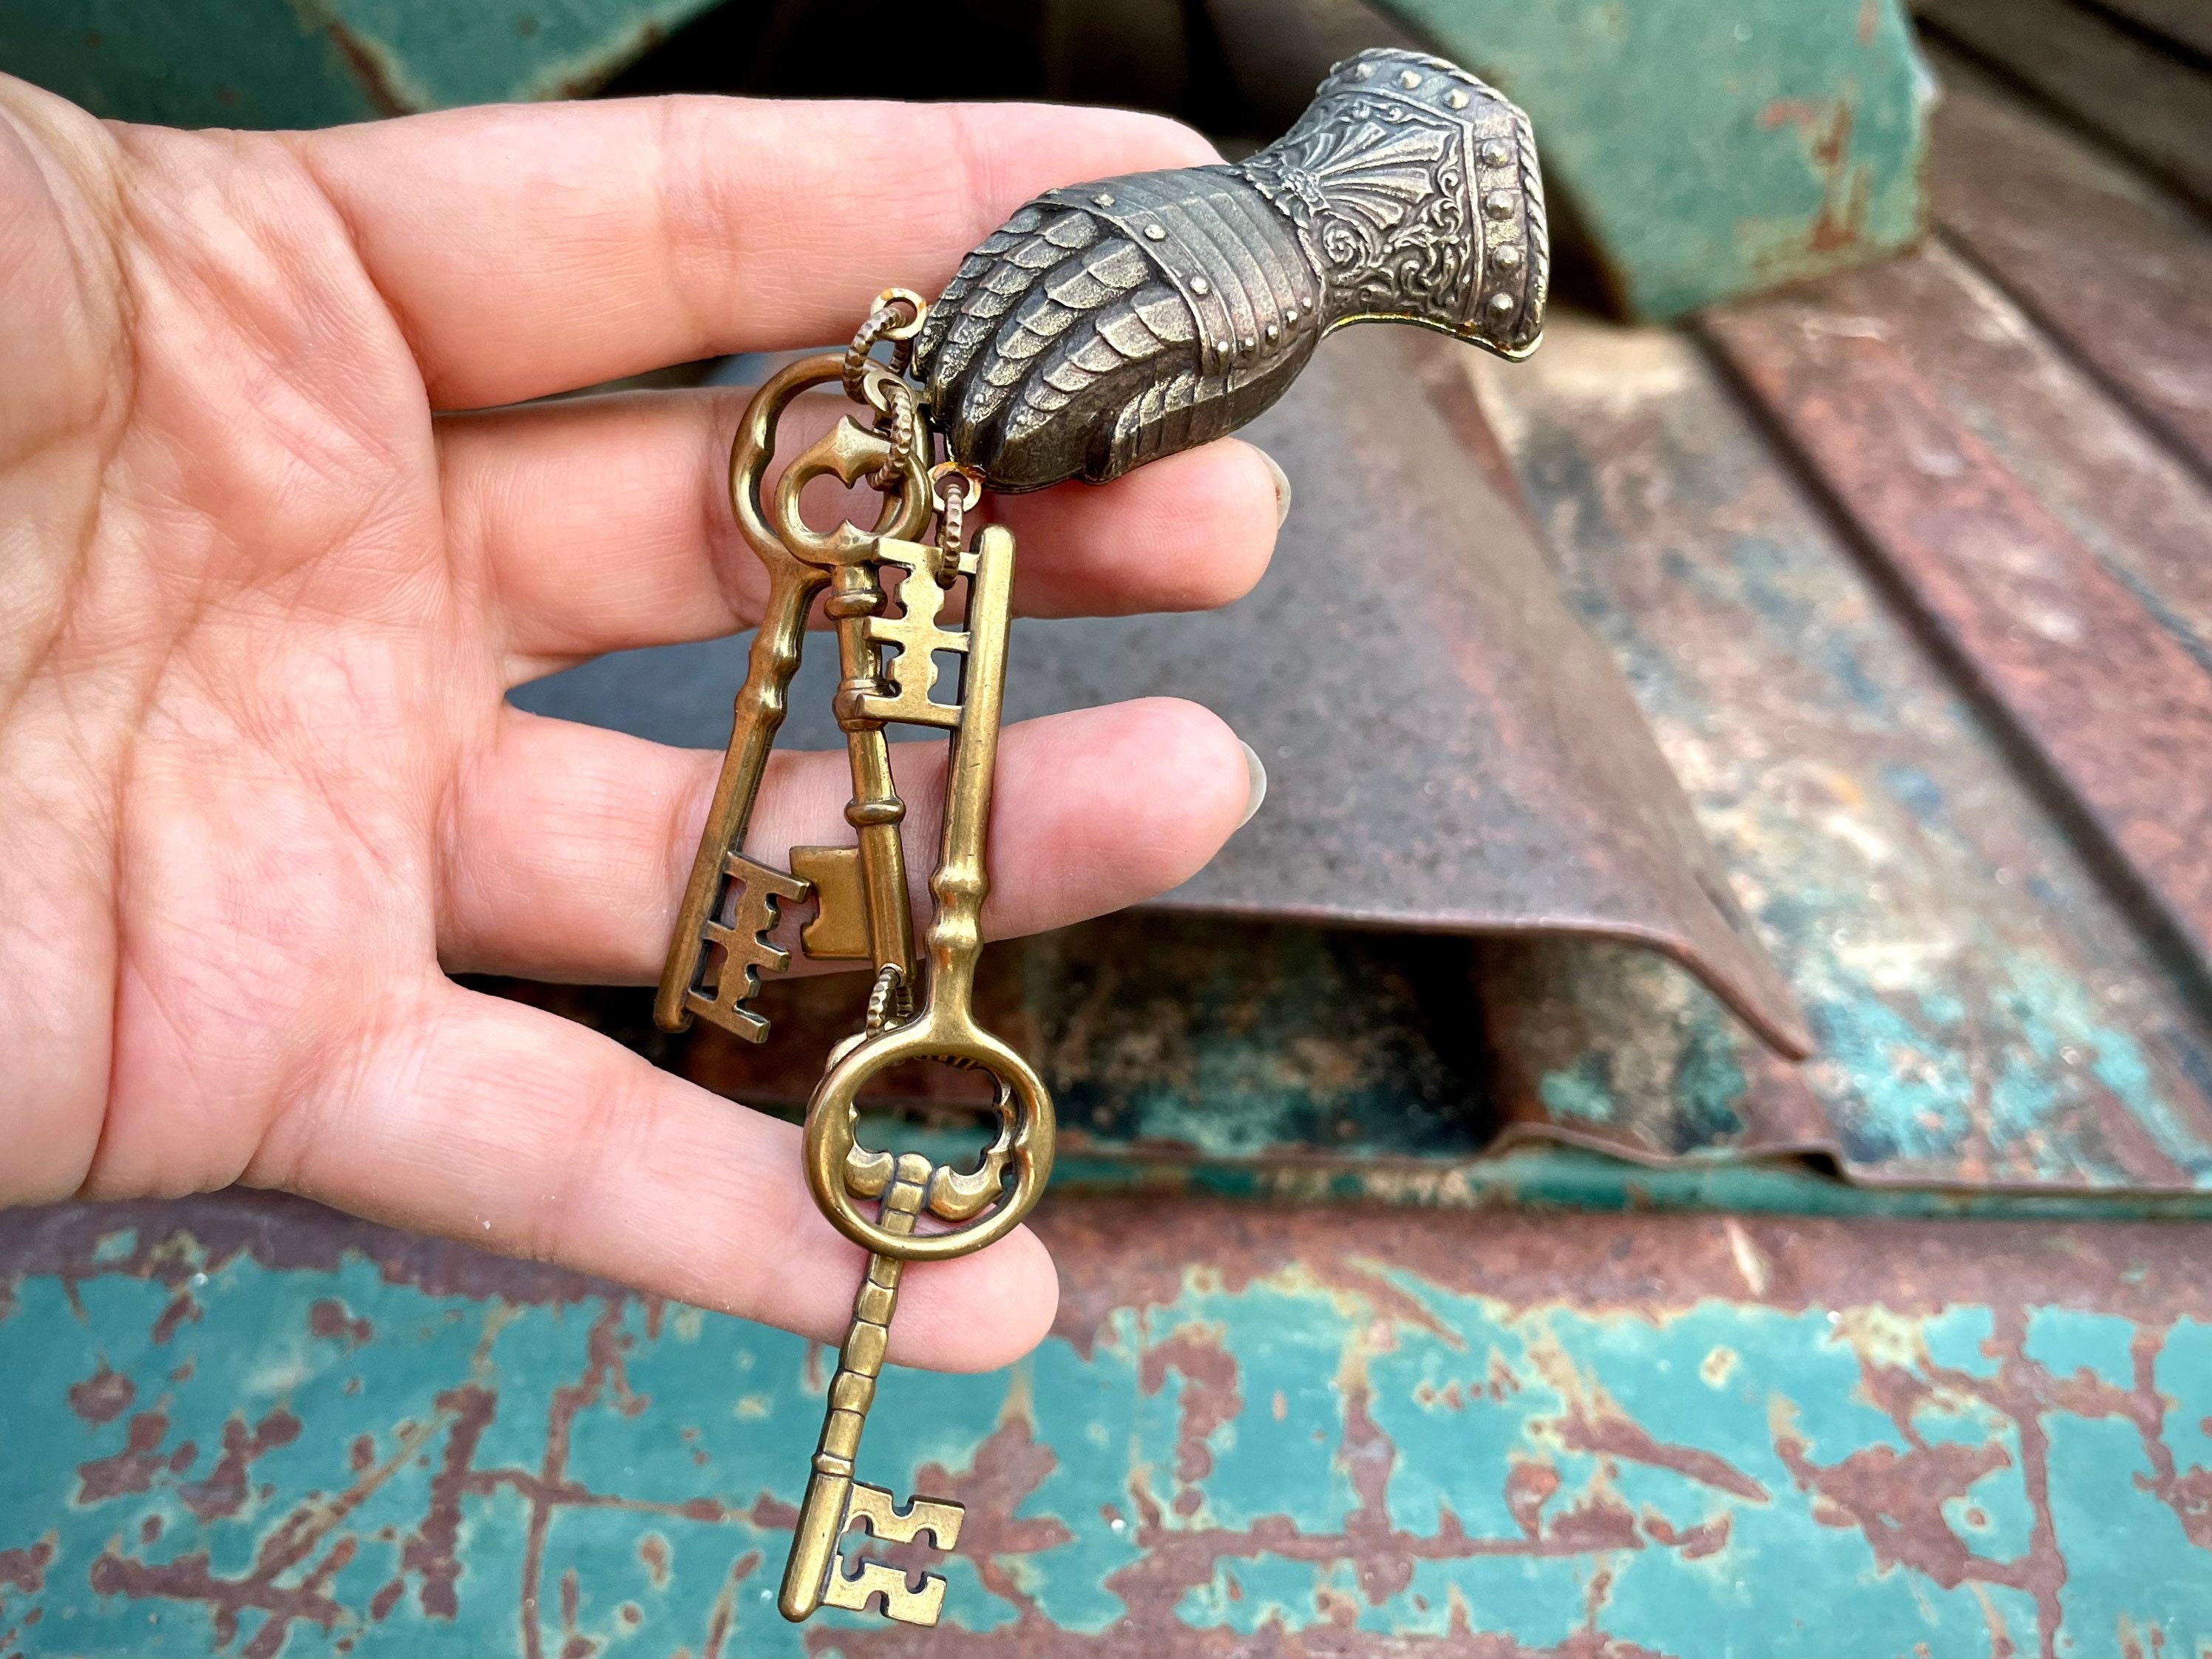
column 525, row 249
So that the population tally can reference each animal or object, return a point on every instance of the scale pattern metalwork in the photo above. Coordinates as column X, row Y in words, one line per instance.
column 1108, row 323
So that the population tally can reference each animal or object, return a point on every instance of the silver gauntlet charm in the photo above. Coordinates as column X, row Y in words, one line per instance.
column 1108, row 323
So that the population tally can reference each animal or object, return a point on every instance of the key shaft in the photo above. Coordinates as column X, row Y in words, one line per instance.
column 814, row 1573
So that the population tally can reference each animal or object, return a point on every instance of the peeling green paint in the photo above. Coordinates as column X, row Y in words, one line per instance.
column 1385, row 1451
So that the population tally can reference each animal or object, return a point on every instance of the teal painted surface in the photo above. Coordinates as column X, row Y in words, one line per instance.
column 219, row 62
column 1541, row 1178
column 1253, row 1434
column 1712, row 149
column 316, row 63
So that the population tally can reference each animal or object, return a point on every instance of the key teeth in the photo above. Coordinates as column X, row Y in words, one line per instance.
column 745, row 949
column 938, row 1517
column 906, row 1605
column 888, row 1524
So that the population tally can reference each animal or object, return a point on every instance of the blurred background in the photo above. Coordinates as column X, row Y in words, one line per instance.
column 1684, row 1125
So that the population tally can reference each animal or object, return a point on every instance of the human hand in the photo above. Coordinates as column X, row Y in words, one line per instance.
column 260, row 601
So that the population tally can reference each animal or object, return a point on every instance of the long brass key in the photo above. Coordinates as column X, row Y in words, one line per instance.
column 945, row 1028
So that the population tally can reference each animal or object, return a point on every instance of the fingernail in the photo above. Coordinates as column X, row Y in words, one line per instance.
column 1282, row 511
column 1256, row 775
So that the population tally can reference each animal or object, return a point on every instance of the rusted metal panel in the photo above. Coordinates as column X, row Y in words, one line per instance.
column 1446, row 747
column 247, row 1426
column 2127, row 497
column 1986, row 1013
column 2183, row 23
column 1711, row 150
column 1480, row 766
column 2092, row 680
column 1989, row 1017
column 2134, row 92
column 2099, row 258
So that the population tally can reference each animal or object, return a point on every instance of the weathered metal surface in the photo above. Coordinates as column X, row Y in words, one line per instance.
column 1711, row 150
column 2099, row 258
column 2082, row 663
column 2134, row 92
column 317, row 63
column 2170, row 23
column 247, row 1426
column 1991, row 1018
column 1446, row 747
column 1986, row 1013
column 1162, row 1038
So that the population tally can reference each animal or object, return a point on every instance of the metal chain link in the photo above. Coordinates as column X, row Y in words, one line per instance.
column 953, row 507
column 897, row 318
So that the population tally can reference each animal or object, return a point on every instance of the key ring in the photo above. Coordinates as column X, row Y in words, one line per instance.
column 1024, row 1146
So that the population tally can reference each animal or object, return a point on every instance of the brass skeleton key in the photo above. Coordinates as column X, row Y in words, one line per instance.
column 817, row 1572
column 840, row 1169
column 718, row 948
column 944, row 1028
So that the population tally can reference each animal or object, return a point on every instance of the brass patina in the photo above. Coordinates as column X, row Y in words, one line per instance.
column 1105, row 325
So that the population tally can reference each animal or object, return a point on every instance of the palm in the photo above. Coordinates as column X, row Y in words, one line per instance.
column 260, row 791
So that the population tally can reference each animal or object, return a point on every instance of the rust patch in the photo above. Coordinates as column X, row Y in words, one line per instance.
column 1611, row 1435
column 431, row 1550
column 1706, row 1538
column 103, row 1396
column 1825, row 128
column 373, row 68
column 724, row 1613
column 133, row 1468
column 1896, row 1498
column 25, row 1569
column 1529, row 1485
column 1209, row 1400
column 652, row 1551
column 224, row 1492
column 182, row 1307
column 332, row 1318
column 188, row 1579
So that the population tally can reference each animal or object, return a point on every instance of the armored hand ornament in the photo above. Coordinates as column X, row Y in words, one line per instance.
column 1108, row 323
column 1103, row 325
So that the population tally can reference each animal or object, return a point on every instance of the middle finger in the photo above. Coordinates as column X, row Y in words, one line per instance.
column 603, row 524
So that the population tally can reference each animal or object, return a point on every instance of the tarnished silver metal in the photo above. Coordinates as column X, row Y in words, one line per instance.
column 1108, row 323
